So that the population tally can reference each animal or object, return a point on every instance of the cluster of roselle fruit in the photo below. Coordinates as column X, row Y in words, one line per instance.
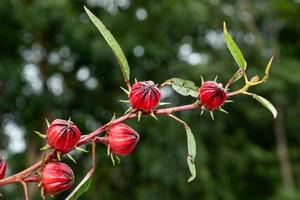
column 63, row 135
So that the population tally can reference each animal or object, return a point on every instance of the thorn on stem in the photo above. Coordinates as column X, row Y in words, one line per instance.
column 202, row 111
column 81, row 149
column 202, row 80
column 118, row 159
column 112, row 159
column 71, row 158
column 153, row 115
column 164, row 103
column 58, row 155
column 139, row 114
column 216, row 78
column 229, row 101
column 128, row 110
column 47, row 122
column 108, row 150
column 124, row 101
column 46, row 147
column 211, row 115
column 40, row 134
column 43, row 194
column 124, row 90
column 222, row 110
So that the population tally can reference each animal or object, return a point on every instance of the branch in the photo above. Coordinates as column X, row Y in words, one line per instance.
column 91, row 136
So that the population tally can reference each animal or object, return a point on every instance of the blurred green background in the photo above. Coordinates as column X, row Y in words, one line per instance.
column 55, row 64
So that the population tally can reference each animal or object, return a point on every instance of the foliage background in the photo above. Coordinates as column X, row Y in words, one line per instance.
column 55, row 64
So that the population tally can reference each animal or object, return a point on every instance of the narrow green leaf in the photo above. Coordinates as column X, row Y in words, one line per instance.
column 191, row 144
column 183, row 87
column 234, row 49
column 267, row 70
column 269, row 66
column 113, row 45
column 82, row 187
column 266, row 103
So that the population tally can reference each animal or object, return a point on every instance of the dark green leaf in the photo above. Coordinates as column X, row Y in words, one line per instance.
column 234, row 49
column 183, row 87
column 82, row 187
column 113, row 45
column 266, row 103
column 191, row 144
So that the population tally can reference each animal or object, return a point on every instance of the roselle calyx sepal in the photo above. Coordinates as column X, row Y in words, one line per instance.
column 62, row 135
column 212, row 95
column 144, row 96
column 2, row 167
column 56, row 177
column 121, row 139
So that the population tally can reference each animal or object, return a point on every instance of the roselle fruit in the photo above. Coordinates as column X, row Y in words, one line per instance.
column 212, row 95
column 121, row 139
column 62, row 135
column 2, row 167
column 144, row 96
column 56, row 177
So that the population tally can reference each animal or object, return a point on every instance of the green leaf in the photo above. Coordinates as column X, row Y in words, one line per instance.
column 266, row 103
column 267, row 70
column 191, row 144
column 269, row 66
column 82, row 187
column 239, row 74
column 183, row 87
column 113, row 45
column 234, row 49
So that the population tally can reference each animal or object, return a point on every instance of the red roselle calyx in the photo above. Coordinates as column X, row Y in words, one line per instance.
column 62, row 135
column 144, row 96
column 56, row 177
column 212, row 95
column 2, row 167
column 121, row 139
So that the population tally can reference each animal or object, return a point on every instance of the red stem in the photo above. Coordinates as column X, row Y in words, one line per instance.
column 102, row 140
column 34, row 178
column 89, row 137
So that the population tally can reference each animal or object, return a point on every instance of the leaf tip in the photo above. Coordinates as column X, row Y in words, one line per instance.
column 85, row 8
column 275, row 114
column 224, row 28
column 191, row 179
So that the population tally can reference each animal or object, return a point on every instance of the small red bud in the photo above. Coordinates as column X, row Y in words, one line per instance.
column 2, row 167
column 56, row 177
column 212, row 95
column 62, row 135
column 144, row 96
column 122, row 139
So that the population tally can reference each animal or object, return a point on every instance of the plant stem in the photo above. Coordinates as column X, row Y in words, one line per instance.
column 25, row 190
column 91, row 136
column 34, row 178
